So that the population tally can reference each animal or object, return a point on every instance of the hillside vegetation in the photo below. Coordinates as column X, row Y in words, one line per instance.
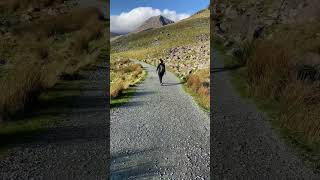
column 277, row 44
column 43, row 42
column 123, row 74
column 184, row 46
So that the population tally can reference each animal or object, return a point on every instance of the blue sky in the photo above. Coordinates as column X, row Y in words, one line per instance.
column 180, row 6
column 127, row 15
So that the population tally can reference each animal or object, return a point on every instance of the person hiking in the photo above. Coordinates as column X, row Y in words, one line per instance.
column 161, row 69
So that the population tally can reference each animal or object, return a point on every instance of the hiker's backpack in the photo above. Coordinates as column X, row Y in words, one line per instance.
column 161, row 68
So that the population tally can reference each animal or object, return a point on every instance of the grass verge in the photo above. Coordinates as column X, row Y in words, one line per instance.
column 273, row 107
column 125, row 77
column 51, row 108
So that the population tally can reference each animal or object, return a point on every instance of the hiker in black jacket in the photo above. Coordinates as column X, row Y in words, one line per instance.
column 161, row 69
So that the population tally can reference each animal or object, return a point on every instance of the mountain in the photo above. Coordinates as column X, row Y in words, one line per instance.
column 154, row 22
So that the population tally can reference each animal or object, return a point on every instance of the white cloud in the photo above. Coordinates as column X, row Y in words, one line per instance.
column 129, row 21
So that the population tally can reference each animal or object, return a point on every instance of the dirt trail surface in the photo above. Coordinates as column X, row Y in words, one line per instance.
column 76, row 148
column 160, row 133
column 244, row 146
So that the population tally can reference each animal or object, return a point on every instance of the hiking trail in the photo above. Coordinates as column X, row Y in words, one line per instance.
column 160, row 133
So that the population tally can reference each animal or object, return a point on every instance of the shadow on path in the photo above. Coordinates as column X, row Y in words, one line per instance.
column 173, row 84
column 136, row 164
column 62, row 103
column 226, row 68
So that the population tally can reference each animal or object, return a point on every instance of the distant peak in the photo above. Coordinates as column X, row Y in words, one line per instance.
column 154, row 22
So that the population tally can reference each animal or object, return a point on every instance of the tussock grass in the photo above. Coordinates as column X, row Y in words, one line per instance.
column 124, row 74
column 300, row 111
column 117, row 88
column 39, row 53
column 92, row 31
column 19, row 88
column 198, row 84
column 272, row 75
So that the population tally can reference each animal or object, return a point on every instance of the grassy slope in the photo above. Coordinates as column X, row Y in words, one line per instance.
column 140, row 46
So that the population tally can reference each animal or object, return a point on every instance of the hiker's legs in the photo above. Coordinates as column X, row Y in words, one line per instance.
column 160, row 77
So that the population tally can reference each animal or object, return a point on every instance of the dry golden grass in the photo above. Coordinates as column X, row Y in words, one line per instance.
column 300, row 110
column 272, row 75
column 19, row 88
column 269, row 69
column 116, row 89
column 37, row 59
column 93, row 30
column 198, row 84
column 124, row 73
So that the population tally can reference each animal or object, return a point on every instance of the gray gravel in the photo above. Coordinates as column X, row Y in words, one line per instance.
column 77, row 148
column 160, row 133
column 243, row 144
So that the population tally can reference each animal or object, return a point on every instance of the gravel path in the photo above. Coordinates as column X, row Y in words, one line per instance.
column 78, row 148
column 160, row 133
column 243, row 145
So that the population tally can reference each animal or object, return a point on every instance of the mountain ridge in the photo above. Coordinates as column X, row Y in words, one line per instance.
column 154, row 22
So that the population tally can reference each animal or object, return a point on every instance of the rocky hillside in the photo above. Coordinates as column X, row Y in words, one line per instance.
column 154, row 22
column 246, row 19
